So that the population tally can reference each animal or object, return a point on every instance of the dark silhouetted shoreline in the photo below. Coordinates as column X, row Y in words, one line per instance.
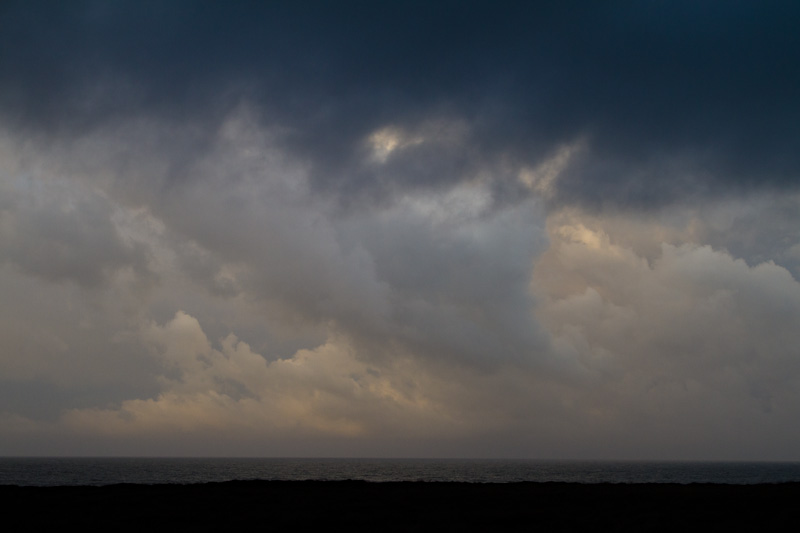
column 405, row 506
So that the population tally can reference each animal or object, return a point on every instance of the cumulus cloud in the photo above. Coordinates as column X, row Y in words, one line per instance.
column 232, row 387
column 213, row 394
column 690, row 354
column 691, row 338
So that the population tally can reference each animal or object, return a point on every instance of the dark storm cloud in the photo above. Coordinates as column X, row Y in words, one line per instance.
column 707, row 89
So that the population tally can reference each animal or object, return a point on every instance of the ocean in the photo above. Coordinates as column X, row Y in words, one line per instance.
column 30, row 471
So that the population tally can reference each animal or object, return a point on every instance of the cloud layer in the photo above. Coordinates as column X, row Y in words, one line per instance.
column 428, row 231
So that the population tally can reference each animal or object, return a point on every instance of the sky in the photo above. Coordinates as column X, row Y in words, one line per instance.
column 400, row 229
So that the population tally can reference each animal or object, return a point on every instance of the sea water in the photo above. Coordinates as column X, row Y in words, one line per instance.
column 106, row 471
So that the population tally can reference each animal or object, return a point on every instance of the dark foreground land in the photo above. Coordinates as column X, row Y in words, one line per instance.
column 362, row 506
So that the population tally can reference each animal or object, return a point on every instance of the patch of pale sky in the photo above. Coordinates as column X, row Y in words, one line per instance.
column 542, row 179
column 387, row 140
